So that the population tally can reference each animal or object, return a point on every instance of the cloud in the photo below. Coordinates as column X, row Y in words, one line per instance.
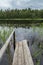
column 20, row 4
column 5, row 4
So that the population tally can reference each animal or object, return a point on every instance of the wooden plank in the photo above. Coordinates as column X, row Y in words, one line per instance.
column 19, row 53
column 15, row 58
column 22, row 56
column 28, row 57
column 25, row 54
column 3, row 49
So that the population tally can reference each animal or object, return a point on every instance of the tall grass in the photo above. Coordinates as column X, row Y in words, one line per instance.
column 4, row 33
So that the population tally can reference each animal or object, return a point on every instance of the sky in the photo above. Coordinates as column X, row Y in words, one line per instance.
column 21, row 4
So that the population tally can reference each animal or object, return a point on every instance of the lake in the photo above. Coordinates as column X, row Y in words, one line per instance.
column 34, row 36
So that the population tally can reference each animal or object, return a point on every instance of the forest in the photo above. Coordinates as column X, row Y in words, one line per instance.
column 23, row 13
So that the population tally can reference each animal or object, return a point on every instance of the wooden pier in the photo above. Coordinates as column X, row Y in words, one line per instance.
column 22, row 55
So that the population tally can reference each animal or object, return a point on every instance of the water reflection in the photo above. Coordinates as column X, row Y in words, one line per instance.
column 24, row 33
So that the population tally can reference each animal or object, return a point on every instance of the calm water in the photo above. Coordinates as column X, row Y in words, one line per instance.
column 33, row 35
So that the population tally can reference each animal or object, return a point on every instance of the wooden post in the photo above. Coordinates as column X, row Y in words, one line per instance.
column 14, row 40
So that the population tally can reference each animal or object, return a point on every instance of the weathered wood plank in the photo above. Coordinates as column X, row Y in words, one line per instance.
column 19, row 53
column 3, row 49
column 27, row 53
column 23, row 54
column 15, row 58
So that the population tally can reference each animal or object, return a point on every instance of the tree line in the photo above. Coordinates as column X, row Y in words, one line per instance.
column 24, row 13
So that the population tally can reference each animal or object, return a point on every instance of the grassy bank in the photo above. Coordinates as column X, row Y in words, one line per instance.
column 21, row 21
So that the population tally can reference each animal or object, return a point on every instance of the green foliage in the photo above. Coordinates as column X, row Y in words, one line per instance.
column 4, row 33
column 38, row 62
column 38, row 52
column 24, row 13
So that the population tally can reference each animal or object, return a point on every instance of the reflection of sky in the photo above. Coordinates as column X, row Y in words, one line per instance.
column 20, row 4
column 22, row 34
